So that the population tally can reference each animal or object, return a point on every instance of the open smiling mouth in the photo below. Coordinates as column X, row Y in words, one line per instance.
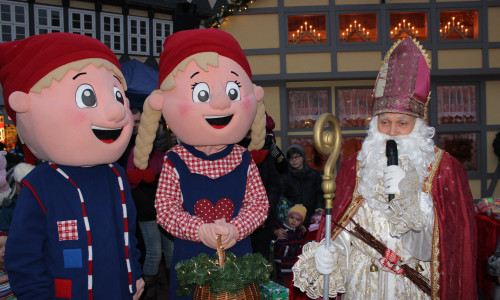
column 106, row 135
column 219, row 122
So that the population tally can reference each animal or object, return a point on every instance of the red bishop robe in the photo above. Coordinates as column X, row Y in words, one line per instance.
column 454, row 235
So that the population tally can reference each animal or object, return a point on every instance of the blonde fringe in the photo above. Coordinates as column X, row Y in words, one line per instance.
column 258, row 134
column 58, row 73
column 146, row 135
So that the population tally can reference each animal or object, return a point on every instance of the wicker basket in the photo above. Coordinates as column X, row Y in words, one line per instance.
column 251, row 292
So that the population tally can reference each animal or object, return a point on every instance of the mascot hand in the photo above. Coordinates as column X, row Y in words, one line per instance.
column 230, row 239
column 325, row 259
column 208, row 233
column 392, row 176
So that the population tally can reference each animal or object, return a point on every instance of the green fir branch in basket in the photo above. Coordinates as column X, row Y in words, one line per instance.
column 232, row 277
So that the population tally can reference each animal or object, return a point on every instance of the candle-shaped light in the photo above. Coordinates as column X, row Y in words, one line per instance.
column 399, row 25
column 343, row 35
column 314, row 32
column 441, row 32
column 466, row 31
column 363, row 30
column 293, row 37
column 412, row 29
column 319, row 36
column 391, row 34
column 350, row 27
column 404, row 21
column 462, row 28
column 310, row 28
column 301, row 28
column 416, row 33
column 355, row 23
column 445, row 28
column 305, row 25
column 368, row 35
column 298, row 33
column 453, row 19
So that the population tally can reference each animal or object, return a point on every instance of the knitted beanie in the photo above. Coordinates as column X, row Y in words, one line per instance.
column 299, row 210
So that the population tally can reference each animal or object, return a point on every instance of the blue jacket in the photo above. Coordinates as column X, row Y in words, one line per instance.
column 46, row 262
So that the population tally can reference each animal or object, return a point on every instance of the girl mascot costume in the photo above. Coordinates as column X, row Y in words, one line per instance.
column 73, row 231
column 209, row 185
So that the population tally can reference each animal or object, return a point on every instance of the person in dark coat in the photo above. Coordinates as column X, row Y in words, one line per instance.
column 301, row 184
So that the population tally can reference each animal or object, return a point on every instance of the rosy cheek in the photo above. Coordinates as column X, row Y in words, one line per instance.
column 184, row 109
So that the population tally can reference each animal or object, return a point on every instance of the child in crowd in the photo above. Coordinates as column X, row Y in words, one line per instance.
column 291, row 235
column 5, row 291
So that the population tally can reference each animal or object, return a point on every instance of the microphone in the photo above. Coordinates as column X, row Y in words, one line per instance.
column 391, row 151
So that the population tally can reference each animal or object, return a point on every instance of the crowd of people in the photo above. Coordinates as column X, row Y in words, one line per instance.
column 419, row 207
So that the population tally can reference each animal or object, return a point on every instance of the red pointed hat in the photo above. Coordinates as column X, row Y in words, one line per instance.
column 403, row 82
column 24, row 62
column 183, row 44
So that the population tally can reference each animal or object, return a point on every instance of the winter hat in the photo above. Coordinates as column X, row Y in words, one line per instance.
column 185, row 43
column 403, row 82
column 297, row 148
column 25, row 62
column 299, row 210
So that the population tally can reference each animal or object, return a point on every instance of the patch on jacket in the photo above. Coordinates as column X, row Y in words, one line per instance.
column 68, row 231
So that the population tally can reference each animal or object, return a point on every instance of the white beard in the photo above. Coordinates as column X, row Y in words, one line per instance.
column 416, row 148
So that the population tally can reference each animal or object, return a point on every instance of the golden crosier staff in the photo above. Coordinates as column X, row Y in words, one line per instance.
column 328, row 143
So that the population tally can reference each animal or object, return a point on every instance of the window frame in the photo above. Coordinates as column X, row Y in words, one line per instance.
column 13, row 24
column 138, row 35
column 49, row 28
column 82, row 14
column 112, row 33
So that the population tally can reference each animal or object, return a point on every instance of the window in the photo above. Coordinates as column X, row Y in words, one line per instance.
column 457, row 122
column 138, row 34
column 462, row 146
column 355, row 106
column 82, row 22
column 48, row 19
column 408, row 24
column 162, row 29
column 112, row 32
column 13, row 21
column 349, row 146
column 458, row 25
column 358, row 28
column 456, row 104
column 307, row 29
column 305, row 106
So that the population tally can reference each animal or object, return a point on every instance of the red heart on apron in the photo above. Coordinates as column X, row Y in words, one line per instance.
column 208, row 213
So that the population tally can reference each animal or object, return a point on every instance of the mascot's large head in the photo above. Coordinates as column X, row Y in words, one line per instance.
column 65, row 93
column 206, row 92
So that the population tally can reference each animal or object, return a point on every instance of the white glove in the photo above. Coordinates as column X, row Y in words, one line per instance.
column 392, row 176
column 325, row 259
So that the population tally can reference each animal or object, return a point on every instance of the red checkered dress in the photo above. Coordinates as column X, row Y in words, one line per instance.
column 171, row 215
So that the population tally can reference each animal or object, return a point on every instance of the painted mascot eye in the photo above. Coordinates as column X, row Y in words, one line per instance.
column 233, row 90
column 118, row 95
column 85, row 96
column 201, row 92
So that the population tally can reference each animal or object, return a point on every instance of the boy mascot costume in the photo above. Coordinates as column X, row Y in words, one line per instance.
column 73, row 230
column 209, row 185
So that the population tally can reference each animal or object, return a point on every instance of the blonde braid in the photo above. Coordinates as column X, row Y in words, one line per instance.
column 258, row 134
column 146, row 135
